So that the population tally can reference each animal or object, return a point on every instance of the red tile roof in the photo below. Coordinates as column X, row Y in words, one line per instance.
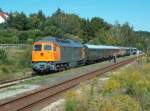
column 3, row 15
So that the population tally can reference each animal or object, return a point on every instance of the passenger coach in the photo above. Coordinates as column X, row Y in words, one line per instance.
column 95, row 53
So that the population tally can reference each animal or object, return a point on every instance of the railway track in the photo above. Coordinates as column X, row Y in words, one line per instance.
column 5, row 84
column 43, row 96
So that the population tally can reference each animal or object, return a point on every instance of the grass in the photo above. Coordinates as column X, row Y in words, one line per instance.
column 15, row 62
column 128, row 90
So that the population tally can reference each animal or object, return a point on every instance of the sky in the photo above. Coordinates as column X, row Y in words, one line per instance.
column 136, row 12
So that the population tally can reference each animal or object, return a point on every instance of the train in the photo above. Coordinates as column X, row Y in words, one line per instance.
column 54, row 54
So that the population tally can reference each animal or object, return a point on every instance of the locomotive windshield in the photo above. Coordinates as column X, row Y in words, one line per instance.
column 47, row 47
column 37, row 47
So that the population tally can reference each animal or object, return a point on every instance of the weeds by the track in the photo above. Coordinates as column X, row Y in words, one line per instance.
column 128, row 90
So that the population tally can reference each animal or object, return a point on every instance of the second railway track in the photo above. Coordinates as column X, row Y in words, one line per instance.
column 38, row 97
column 5, row 84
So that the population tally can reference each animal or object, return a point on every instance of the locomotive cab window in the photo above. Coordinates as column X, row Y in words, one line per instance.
column 37, row 47
column 47, row 47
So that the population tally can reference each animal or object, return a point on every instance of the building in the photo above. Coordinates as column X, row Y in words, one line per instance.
column 3, row 16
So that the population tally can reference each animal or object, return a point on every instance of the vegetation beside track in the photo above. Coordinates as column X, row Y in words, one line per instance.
column 15, row 62
column 126, row 90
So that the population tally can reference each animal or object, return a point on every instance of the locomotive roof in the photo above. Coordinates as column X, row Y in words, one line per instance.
column 61, row 42
column 101, row 47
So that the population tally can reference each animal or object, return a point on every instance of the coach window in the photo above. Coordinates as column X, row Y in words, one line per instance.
column 37, row 47
column 47, row 47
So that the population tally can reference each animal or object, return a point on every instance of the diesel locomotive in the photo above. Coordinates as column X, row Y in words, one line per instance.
column 53, row 54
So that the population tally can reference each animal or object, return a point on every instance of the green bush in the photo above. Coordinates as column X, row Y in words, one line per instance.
column 3, row 56
column 5, row 70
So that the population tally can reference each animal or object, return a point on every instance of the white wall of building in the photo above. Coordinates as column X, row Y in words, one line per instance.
column 2, row 20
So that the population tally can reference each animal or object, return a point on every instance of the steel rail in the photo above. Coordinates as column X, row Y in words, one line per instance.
column 8, row 83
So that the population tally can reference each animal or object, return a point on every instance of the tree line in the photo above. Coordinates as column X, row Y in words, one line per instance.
column 22, row 28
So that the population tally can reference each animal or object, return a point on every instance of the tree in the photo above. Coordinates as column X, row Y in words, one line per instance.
column 87, row 31
column 99, row 23
column 123, row 34
column 52, row 31
column 69, row 23
column 17, row 21
column 143, row 40
column 36, row 20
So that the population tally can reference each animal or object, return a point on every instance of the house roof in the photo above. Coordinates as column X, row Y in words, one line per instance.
column 3, row 17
